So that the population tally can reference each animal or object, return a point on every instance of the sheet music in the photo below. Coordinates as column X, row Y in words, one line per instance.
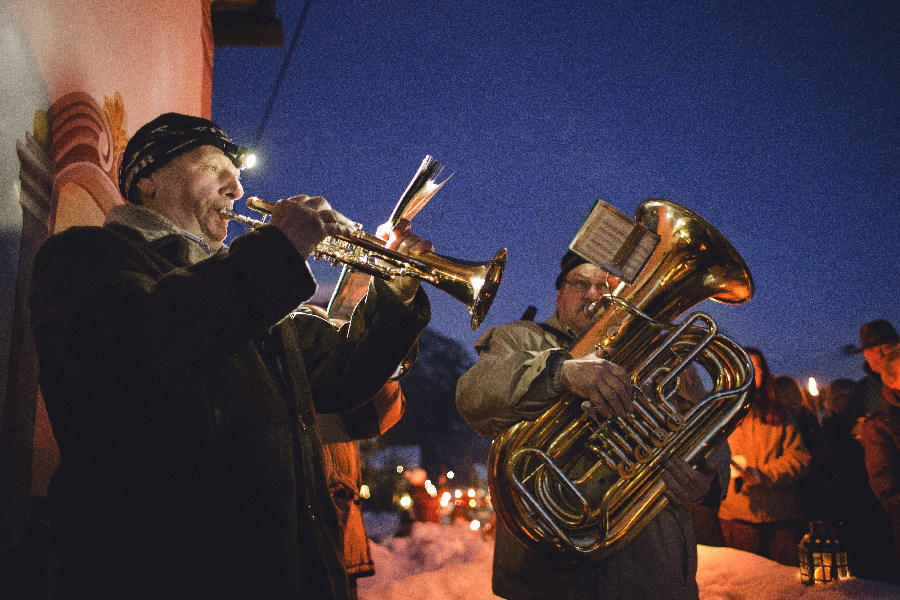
column 614, row 242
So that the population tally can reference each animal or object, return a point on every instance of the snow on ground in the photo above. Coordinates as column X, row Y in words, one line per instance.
column 452, row 562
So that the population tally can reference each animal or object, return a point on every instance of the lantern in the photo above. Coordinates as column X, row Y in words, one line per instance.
column 823, row 557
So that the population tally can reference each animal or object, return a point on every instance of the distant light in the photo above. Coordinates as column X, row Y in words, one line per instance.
column 429, row 487
column 364, row 492
column 399, row 468
column 405, row 501
column 473, row 503
column 457, row 494
column 445, row 499
column 813, row 387
column 471, row 493
column 450, row 474
column 475, row 525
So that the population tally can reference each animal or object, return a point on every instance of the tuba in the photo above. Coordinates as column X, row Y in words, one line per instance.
column 586, row 486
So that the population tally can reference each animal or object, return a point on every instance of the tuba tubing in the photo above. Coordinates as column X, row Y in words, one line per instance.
column 575, row 483
column 472, row 283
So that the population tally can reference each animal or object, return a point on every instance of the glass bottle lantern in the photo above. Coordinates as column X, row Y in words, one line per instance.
column 823, row 557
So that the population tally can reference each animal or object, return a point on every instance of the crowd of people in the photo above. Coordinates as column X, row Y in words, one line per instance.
column 795, row 462
column 204, row 460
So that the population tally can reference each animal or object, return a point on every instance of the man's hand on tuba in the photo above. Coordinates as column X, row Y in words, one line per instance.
column 608, row 388
column 684, row 483
column 605, row 384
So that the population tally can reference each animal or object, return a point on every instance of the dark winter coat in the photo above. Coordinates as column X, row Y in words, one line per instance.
column 182, row 401
column 880, row 438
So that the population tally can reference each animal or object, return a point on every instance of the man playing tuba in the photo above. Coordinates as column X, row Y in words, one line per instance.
column 523, row 368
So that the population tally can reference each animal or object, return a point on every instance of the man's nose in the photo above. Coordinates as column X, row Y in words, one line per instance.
column 233, row 188
column 595, row 291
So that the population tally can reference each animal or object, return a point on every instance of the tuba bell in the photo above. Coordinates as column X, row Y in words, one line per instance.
column 586, row 486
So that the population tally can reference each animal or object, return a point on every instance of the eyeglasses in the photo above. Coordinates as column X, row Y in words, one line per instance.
column 583, row 285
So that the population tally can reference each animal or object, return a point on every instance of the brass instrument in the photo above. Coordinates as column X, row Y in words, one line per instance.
column 352, row 285
column 578, row 483
column 473, row 284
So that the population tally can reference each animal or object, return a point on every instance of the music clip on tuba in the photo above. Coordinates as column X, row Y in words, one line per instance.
column 585, row 486
column 474, row 284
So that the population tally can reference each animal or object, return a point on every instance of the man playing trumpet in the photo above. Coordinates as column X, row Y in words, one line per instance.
column 183, row 401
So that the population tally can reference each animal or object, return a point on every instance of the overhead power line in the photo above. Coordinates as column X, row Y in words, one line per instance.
column 281, row 72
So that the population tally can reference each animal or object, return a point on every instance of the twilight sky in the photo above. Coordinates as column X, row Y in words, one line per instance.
column 777, row 122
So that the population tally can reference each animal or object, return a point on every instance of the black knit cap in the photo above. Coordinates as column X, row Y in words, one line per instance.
column 569, row 261
column 164, row 138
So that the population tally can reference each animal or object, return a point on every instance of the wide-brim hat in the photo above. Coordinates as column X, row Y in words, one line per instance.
column 164, row 138
column 874, row 333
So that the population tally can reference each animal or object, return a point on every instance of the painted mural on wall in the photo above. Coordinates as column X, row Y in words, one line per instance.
column 25, row 182
column 58, row 165
column 85, row 149
column 26, row 102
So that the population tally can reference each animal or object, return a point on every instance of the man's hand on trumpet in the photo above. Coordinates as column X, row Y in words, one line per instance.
column 401, row 239
column 306, row 221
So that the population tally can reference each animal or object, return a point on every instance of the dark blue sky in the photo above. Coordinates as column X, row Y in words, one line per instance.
column 777, row 122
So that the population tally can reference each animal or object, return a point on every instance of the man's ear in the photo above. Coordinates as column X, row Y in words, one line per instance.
column 145, row 188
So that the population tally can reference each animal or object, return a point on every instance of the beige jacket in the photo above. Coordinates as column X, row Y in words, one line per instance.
column 778, row 452
column 515, row 379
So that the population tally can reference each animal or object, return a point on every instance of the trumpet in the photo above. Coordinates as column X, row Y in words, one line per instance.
column 474, row 284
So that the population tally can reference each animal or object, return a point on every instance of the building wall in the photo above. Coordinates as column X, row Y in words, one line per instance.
column 155, row 54
column 76, row 80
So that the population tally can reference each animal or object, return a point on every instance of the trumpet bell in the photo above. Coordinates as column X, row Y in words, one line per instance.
column 473, row 284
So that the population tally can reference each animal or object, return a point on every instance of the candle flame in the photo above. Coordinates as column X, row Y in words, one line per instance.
column 813, row 387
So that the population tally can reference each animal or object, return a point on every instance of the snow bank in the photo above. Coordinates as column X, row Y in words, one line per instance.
column 453, row 562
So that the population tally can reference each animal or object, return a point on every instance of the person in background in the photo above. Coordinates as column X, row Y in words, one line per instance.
column 806, row 417
column 343, row 468
column 523, row 368
column 832, row 453
column 761, row 513
column 836, row 489
column 875, row 339
column 880, row 438
column 183, row 401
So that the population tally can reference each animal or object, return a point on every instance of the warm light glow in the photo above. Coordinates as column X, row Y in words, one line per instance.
column 813, row 387
column 405, row 501
column 445, row 499
column 475, row 525
column 429, row 487
column 471, row 493
column 399, row 468
column 450, row 474
column 473, row 503
column 457, row 494
column 364, row 492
